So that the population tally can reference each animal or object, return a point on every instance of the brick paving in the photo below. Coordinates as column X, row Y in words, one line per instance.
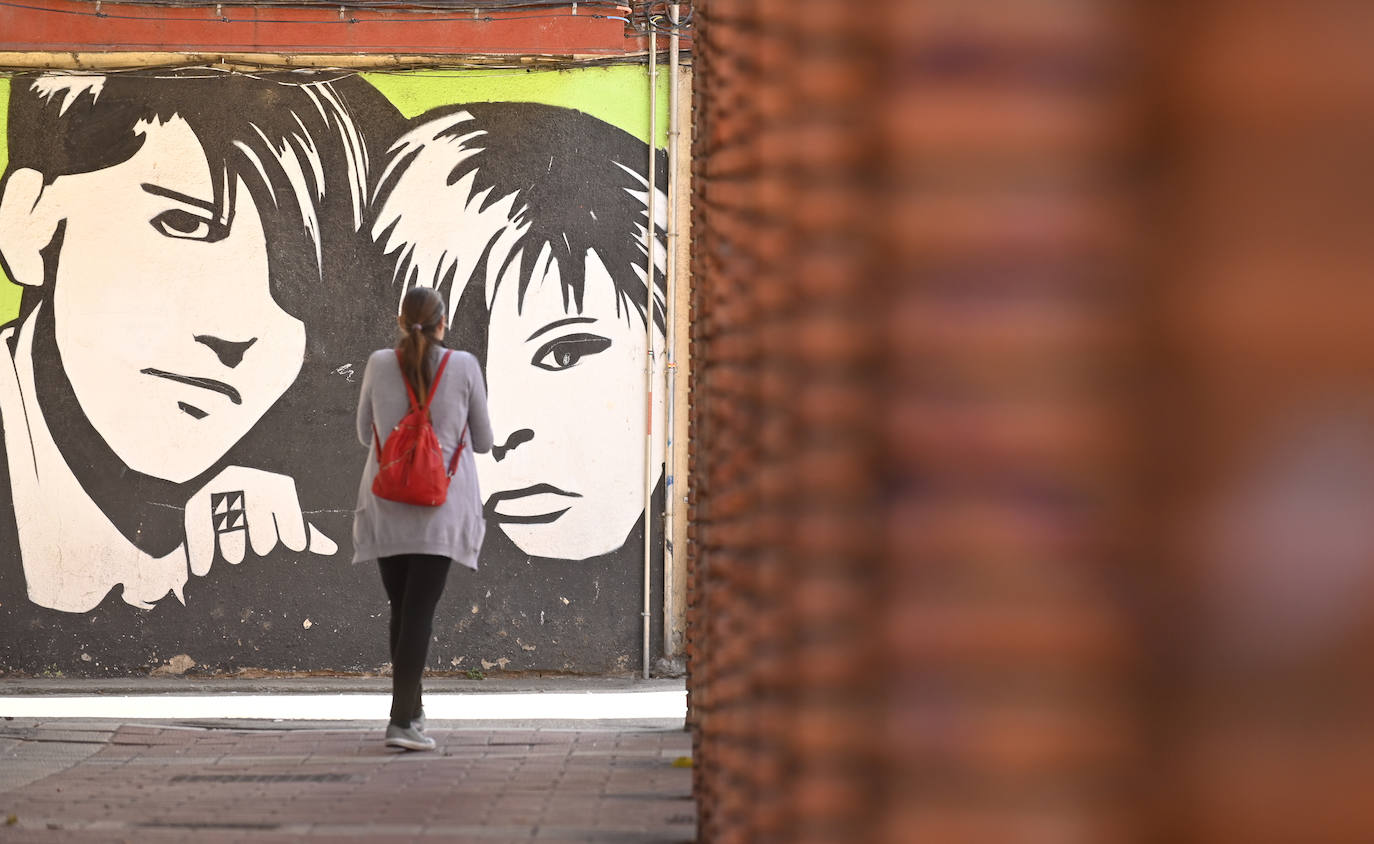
column 166, row 783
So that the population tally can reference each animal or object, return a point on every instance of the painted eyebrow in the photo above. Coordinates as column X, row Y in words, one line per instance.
column 558, row 323
column 157, row 190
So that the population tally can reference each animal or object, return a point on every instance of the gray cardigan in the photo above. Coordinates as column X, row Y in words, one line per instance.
column 455, row 528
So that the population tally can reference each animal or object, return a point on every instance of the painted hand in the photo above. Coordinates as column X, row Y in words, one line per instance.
column 244, row 507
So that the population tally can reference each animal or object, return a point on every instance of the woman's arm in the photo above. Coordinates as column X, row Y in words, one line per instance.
column 479, row 424
column 365, row 406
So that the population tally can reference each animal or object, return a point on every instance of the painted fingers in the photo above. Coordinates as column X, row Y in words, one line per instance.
column 246, row 508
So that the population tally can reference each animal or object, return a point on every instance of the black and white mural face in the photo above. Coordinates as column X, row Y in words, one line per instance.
column 166, row 231
column 565, row 484
column 538, row 241
column 243, row 351
column 205, row 260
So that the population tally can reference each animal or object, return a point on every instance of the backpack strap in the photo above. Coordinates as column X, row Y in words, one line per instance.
column 410, row 393
column 415, row 405
column 458, row 452
column 434, row 387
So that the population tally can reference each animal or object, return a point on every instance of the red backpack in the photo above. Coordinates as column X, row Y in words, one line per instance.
column 410, row 467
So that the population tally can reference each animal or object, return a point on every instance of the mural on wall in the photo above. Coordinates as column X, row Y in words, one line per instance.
column 205, row 261
column 538, row 241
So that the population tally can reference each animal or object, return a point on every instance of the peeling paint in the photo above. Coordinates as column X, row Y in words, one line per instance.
column 179, row 664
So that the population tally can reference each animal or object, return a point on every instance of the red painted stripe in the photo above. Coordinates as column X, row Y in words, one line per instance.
column 62, row 25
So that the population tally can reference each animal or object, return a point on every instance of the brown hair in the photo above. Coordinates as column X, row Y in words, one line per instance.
column 422, row 312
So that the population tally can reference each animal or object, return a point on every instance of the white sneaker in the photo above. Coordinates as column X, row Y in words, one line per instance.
column 408, row 738
column 418, row 722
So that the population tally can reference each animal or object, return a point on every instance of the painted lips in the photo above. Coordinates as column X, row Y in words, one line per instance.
column 527, row 506
column 203, row 383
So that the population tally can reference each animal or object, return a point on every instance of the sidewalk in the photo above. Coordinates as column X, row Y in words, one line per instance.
column 92, row 780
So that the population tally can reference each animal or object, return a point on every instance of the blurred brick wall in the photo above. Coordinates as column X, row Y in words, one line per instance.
column 1263, row 303
column 913, row 241
column 1033, row 426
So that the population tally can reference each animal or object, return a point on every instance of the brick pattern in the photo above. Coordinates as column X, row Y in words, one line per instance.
column 907, row 615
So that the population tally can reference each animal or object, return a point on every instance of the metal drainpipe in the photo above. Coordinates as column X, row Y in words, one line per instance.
column 670, row 320
column 650, row 238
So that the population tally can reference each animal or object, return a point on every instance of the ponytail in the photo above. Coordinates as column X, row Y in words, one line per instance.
column 422, row 312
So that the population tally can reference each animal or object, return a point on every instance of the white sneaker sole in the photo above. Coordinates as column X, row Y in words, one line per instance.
column 407, row 744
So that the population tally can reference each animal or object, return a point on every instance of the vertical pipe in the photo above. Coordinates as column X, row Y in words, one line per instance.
column 649, row 238
column 670, row 322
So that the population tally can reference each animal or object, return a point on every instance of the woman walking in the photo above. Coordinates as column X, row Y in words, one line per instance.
column 413, row 544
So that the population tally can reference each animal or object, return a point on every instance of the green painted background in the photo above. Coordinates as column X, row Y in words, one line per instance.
column 617, row 94
column 9, row 291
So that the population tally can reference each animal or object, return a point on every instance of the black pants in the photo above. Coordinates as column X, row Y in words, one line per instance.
column 413, row 585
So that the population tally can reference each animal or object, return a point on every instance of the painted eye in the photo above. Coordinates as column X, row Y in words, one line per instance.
column 565, row 352
column 184, row 225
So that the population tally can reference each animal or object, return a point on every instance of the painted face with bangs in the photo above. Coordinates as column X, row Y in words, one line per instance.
column 566, row 392
column 165, row 320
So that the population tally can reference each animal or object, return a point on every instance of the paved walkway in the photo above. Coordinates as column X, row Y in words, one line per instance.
column 147, row 782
